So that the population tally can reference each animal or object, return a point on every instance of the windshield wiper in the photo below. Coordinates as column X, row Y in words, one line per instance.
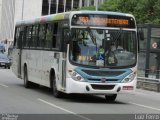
column 114, row 37
column 92, row 36
column 118, row 35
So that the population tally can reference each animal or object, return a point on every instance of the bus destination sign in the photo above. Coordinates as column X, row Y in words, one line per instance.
column 103, row 20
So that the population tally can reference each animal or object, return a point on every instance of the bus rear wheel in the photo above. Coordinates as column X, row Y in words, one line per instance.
column 111, row 97
column 56, row 92
column 27, row 84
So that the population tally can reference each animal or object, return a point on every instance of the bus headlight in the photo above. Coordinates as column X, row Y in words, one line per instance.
column 76, row 76
column 129, row 78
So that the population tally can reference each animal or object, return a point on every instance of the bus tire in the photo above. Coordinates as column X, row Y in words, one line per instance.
column 111, row 97
column 56, row 93
column 27, row 84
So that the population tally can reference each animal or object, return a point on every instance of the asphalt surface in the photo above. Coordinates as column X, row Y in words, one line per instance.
column 15, row 99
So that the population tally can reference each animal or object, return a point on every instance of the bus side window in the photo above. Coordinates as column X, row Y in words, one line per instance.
column 16, row 37
column 19, row 35
column 34, row 36
column 20, row 38
column 42, row 35
column 28, row 36
column 24, row 37
column 54, row 39
column 49, row 36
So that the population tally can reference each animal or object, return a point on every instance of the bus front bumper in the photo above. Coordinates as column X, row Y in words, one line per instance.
column 73, row 86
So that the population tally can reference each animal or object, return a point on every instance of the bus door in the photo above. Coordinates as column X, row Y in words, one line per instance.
column 65, row 40
column 17, row 52
column 53, row 59
column 61, row 65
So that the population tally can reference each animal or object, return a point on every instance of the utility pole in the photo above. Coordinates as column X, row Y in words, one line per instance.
column 64, row 4
column 22, row 9
column 57, row 3
column 97, row 5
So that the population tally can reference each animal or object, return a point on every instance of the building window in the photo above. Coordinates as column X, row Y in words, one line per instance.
column 92, row 2
column 83, row 3
column 45, row 7
column 68, row 5
column 60, row 6
column 76, row 4
column 53, row 6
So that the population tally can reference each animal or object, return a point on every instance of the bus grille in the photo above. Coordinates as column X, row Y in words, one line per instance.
column 103, row 73
column 111, row 80
column 102, row 87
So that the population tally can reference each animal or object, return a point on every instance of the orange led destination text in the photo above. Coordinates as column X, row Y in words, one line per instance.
column 85, row 58
column 103, row 20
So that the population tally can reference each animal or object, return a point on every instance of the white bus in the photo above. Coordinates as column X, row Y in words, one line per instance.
column 86, row 52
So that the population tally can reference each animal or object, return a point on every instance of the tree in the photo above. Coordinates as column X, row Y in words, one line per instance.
column 145, row 11
column 109, row 5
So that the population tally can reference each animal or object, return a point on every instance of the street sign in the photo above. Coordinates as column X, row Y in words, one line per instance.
column 154, row 45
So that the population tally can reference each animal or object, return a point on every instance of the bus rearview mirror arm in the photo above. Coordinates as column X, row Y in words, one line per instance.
column 67, row 36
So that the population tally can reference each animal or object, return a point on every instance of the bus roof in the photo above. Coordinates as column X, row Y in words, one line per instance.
column 66, row 15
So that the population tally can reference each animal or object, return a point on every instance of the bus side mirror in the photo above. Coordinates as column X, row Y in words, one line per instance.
column 67, row 36
column 66, row 39
column 140, row 35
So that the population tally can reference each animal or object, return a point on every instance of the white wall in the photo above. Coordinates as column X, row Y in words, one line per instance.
column 11, row 11
column 7, row 19
column 0, row 16
column 31, row 9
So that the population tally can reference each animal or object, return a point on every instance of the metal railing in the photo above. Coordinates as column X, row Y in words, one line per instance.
column 151, row 82
column 150, row 73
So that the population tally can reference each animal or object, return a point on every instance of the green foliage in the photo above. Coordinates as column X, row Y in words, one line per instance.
column 88, row 8
column 145, row 11
column 109, row 5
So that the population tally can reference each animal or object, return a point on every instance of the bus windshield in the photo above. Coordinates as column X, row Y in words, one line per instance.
column 103, row 48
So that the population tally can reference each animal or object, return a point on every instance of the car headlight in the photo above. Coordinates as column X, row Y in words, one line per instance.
column 129, row 78
column 76, row 76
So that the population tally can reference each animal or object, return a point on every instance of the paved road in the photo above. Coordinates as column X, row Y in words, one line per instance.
column 16, row 99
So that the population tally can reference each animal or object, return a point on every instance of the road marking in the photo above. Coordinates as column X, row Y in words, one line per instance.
column 3, row 85
column 53, row 105
column 149, row 107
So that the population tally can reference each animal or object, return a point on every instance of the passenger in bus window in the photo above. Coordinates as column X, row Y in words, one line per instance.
column 110, row 56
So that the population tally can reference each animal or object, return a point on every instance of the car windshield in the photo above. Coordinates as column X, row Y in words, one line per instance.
column 103, row 48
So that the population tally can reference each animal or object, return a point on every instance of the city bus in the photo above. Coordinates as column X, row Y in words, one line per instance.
column 81, row 52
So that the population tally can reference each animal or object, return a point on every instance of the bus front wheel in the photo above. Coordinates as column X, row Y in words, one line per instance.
column 111, row 97
column 56, row 92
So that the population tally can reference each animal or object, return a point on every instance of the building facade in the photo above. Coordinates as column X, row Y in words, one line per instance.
column 57, row 6
column 14, row 10
column 0, row 12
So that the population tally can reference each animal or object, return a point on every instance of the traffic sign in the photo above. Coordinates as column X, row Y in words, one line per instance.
column 154, row 45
